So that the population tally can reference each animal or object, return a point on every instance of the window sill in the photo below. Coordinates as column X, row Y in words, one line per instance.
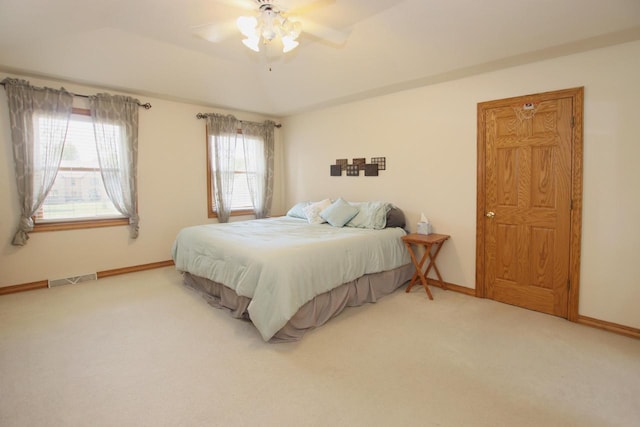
column 78, row 225
column 214, row 214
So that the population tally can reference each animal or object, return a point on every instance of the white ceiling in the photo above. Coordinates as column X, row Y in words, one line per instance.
column 147, row 46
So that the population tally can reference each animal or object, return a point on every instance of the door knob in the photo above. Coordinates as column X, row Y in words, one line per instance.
column 490, row 214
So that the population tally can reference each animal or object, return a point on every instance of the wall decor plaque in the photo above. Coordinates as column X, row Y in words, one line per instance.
column 360, row 162
column 353, row 170
column 380, row 161
column 371, row 169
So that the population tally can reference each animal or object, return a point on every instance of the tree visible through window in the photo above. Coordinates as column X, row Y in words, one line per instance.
column 78, row 192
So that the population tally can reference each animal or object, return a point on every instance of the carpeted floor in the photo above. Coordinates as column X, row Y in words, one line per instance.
column 142, row 350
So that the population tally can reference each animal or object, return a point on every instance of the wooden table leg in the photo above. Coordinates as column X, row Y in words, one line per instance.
column 418, row 266
column 432, row 263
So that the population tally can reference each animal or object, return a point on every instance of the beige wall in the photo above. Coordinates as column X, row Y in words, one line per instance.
column 428, row 136
column 172, row 194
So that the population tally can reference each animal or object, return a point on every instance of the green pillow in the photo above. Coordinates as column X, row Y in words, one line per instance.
column 297, row 211
column 339, row 213
column 371, row 215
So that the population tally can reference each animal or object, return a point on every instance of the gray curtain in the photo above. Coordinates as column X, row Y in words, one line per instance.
column 115, row 124
column 259, row 154
column 222, row 134
column 39, row 118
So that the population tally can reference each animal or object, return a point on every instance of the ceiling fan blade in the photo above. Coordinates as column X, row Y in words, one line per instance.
column 215, row 32
column 300, row 7
column 241, row 4
column 328, row 34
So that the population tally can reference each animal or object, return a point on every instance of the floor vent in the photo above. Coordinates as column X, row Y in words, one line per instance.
column 73, row 280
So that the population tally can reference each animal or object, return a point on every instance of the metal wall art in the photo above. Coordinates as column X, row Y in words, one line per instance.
column 358, row 164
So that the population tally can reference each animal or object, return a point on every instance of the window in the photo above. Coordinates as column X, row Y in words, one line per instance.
column 241, row 200
column 78, row 198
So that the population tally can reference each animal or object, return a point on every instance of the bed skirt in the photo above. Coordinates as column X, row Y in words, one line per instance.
column 366, row 289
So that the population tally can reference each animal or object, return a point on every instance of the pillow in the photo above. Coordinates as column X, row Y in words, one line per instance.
column 339, row 213
column 312, row 211
column 297, row 211
column 371, row 215
column 395, row 218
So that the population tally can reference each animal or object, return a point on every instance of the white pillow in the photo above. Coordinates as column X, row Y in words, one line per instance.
column 312, row 211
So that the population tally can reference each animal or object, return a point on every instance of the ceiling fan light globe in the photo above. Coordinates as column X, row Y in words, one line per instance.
column 288, row 44
column 296, row 29
column 247, row 25
column 268, row 33
column 252, row 43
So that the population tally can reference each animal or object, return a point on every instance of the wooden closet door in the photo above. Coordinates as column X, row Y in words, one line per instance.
column 527, row 190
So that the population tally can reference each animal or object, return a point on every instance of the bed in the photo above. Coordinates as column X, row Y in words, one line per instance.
column 293, row 273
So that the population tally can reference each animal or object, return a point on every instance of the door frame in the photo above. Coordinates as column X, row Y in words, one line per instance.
column 577, row 95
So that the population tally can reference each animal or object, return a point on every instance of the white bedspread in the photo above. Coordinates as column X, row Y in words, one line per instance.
column 282, row 263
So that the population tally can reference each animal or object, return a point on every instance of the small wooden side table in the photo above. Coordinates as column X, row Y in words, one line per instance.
column 426, row 240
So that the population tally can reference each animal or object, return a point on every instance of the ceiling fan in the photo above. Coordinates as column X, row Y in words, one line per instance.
column 272, row 20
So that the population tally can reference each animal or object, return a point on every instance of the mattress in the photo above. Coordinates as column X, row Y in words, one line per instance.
column 280, row 264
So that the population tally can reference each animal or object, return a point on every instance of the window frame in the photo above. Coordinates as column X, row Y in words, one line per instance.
column 70, row 224
column 211, row 212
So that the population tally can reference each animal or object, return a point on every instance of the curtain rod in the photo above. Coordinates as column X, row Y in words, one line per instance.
column 145, row 106
column 204, row 116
